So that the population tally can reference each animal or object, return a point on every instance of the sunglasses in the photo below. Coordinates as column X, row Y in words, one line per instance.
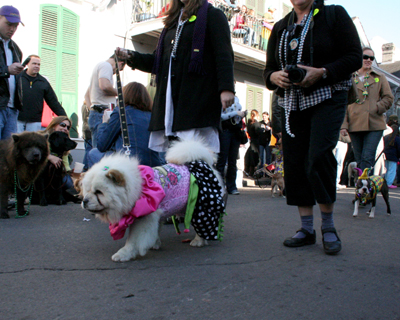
column 366, row 57
column 62, row 124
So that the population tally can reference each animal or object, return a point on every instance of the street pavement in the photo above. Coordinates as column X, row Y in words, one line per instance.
column 56, row 265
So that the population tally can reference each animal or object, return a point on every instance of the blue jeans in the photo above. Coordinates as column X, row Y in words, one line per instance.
column 95, row 156
column 391, row 167
column 8, row 122
column 68, row 182
column 95, row 118
column 88, row 147
column 265, row 158
column 229, row 148
column 398, row 174
column 29, row 126
column 364, row 147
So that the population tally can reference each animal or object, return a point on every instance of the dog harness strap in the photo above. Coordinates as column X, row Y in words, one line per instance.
column 192, row 199
column 122, row 114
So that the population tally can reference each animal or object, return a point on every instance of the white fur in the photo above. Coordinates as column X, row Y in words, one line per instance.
column 109, row 200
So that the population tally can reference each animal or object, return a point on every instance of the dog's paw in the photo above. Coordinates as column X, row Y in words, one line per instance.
column 123, row 255
column 157, row 245
column 198, row 242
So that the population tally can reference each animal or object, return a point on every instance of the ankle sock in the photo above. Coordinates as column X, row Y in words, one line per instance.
column 307, row 223
column 327, row 222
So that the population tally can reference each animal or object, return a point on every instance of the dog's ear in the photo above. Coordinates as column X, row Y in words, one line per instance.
column 78, row 183
column 116, row 177
column 15, row 137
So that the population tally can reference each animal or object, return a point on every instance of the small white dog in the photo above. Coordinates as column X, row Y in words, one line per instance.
column 125, row 195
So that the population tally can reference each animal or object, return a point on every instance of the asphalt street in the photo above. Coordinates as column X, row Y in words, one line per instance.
column 56, row 264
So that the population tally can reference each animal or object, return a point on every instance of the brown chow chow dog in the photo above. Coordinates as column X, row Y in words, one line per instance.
column 23, row 155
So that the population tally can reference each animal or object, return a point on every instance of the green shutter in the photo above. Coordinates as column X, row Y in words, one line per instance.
column 48, row 44
column 254, row 99
column 59, row 39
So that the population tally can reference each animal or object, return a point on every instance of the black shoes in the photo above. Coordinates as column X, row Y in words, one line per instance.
column 331, row 247
column 310, row 238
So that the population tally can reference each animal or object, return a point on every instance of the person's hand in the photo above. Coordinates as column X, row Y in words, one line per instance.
column 123, row 54
column 242, row 114
column 344, row 132
column 280, row 79
column 15, row 68
column 313, row 75
column 106, row 116
column 56, row 161
column 227, row 99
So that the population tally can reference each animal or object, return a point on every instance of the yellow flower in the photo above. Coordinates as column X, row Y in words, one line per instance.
column 376, row 79
column 192, row 18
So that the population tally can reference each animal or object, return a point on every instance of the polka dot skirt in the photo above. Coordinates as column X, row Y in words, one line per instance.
column 210, row 207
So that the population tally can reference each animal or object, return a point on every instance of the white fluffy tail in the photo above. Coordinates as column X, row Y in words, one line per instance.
column 185, row 151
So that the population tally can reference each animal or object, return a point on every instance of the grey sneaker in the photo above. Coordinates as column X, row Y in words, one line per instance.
column 235, row 192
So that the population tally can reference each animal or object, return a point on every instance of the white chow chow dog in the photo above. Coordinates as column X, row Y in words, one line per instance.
column 128, row 196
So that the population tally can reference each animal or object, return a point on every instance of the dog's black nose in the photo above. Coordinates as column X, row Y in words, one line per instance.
column 85, row 202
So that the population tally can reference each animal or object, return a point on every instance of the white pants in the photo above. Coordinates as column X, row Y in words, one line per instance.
column 340, row 153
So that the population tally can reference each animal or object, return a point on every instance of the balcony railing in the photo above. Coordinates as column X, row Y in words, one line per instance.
column 246, row 30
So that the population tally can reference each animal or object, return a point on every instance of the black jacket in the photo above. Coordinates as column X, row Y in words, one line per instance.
column 34, row 91
column 336, row 48
column 196, row 98
column 265, row 135
column 4, row 75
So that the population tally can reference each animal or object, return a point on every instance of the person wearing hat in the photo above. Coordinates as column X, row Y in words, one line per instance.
column 10, row 66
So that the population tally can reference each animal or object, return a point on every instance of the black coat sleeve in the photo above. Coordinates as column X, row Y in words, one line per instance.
column 276, row 115
column 272, row 63
column 52, row 101
column 347, row 42
column 142, row 61
column 220, row 37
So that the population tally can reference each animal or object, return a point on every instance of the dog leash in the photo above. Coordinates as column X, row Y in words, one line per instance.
column 122, row 114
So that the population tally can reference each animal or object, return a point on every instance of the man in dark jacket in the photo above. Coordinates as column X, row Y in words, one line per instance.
column 35, row 90
column 10, row 66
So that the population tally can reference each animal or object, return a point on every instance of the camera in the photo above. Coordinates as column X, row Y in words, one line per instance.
column 295, row 74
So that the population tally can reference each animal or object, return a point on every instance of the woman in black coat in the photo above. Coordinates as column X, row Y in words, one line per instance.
column 252, row 156
column 321, row 44
column 193, row 70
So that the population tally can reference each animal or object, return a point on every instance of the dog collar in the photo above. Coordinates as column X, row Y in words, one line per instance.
column 151, row 196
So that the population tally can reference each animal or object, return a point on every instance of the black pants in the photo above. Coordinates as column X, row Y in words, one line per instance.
column 229, row 148
column 309, row 164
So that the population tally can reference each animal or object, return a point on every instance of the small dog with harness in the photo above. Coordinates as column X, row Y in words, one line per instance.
column 367, row 188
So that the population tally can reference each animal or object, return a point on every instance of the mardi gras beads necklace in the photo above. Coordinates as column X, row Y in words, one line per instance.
column 366, row 86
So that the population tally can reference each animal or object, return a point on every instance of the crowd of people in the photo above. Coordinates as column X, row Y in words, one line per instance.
column 312, row 64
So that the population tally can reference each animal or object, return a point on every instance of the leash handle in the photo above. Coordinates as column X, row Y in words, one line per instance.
column 121, row 106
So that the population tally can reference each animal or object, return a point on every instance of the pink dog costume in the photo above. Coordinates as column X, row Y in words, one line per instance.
column 191, row 191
